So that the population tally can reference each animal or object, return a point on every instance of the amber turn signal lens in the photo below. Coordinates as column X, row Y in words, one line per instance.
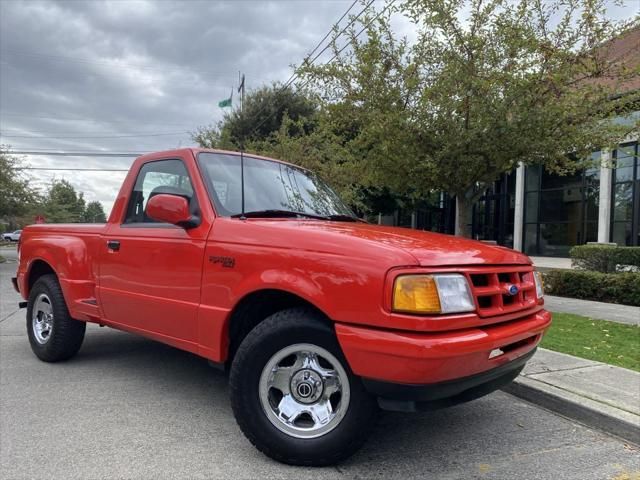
column 416, row 294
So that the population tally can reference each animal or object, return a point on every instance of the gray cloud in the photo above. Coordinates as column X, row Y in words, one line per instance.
column 97, row 68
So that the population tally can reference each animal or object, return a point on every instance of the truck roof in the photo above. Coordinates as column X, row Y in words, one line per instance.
column 196, row 150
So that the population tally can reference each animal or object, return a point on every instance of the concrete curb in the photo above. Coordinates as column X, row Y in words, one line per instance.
column 591, row 413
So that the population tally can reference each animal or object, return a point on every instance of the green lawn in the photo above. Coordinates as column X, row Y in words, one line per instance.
column 607, row 342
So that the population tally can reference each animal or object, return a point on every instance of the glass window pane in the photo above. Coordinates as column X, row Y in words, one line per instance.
column 621, row 233
column 623, row 204
column 557, row 238
column 624, row 174
column 592, row 199
column 592, row 176
column 625, row 152
column 532, row 178
column 625, row 158
column 511, row 182
column 592, row 232
column 561, row 205
column 530, row 242
column 508, row 236
column 551, row 180
column 531, row 207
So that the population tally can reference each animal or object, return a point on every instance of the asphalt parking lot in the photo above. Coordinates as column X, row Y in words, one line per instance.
column 127, row 407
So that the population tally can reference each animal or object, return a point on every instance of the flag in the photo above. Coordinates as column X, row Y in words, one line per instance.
column 241, row 87
column 226, row 102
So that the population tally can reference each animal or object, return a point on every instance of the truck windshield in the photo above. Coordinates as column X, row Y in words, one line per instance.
column 269, row 187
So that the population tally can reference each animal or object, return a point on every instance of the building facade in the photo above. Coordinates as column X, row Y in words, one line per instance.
column 599, row 204
column 544, row 214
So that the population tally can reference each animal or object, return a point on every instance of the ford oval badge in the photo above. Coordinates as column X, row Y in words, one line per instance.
column 513, row 289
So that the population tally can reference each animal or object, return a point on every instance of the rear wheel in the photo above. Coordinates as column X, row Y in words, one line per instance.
column 53, row 334
column 293, row 394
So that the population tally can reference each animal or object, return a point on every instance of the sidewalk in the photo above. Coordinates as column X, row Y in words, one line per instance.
column 599, row 310
column 549, row 263
column 593, row 393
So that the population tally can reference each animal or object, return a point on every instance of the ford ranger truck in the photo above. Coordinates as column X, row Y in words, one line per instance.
column 320, row 318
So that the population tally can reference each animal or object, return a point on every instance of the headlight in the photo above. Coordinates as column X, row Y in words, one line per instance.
column 537, row 278
column 440, row 293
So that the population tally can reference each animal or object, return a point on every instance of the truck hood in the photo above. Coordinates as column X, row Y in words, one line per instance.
column 426, row 248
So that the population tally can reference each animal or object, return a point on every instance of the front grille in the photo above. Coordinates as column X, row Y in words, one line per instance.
column 491, row 289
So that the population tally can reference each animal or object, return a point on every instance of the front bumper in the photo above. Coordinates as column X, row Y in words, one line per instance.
column 429, row 361
column 410, row 398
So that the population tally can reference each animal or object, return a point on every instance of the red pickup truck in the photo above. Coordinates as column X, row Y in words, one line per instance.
column 319, row 317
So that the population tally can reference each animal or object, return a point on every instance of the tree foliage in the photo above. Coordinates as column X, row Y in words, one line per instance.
column 21, row 201
column 487, row 84
column 262, row 116
column 62, row 204
column 94, row 213
column 16, row 195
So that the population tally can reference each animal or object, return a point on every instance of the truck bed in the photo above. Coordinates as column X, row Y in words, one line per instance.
column 74, row 249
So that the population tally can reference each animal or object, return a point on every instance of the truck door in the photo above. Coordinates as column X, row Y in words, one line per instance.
column 150, row 272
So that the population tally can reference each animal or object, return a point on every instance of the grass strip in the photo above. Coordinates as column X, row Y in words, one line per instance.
column 608, row 342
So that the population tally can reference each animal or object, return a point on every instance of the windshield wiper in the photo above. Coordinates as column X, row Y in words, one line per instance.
column 274, row 213
column 343, row 218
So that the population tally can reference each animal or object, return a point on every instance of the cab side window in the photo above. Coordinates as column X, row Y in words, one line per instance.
column 162, row 176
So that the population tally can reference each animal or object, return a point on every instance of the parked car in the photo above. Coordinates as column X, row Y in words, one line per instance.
column 319, row 317
column 12, row 237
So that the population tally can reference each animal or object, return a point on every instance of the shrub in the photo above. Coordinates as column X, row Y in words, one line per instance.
column 604, row 258
column 621, row 288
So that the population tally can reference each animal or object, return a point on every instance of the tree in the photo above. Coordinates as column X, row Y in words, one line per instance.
column 16, row 195
column 262, row 115
column 487, row 84
column 94, row 213
column 62, row 204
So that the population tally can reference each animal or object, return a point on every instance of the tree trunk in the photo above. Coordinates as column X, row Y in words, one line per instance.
column 464, row 213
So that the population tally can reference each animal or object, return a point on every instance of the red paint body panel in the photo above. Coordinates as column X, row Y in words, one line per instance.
column 425, row 358
column 163, row 282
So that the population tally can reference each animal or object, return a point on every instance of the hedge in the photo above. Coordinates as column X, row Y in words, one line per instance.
column 621, row 288
column 604, row 258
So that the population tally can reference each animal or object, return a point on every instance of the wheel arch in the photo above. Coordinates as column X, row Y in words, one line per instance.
column 37, row 269
column 255, row 307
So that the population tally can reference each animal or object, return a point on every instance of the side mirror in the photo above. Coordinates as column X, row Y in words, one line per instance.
column 173, row 209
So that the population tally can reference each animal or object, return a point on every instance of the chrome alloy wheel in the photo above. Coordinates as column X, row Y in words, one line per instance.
column 42, row 319
column 304, row 391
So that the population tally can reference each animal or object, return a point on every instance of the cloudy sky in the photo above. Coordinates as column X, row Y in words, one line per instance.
column 72, row 72
column 143, row 73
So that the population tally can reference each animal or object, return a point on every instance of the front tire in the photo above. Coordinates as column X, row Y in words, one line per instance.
column 54, row 336
column 294, row 395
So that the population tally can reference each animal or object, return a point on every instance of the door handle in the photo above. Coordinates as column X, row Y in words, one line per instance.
column 113, row 245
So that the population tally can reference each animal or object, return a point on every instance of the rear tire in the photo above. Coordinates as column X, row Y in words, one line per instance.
column 54, row 336
column 293, row 394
